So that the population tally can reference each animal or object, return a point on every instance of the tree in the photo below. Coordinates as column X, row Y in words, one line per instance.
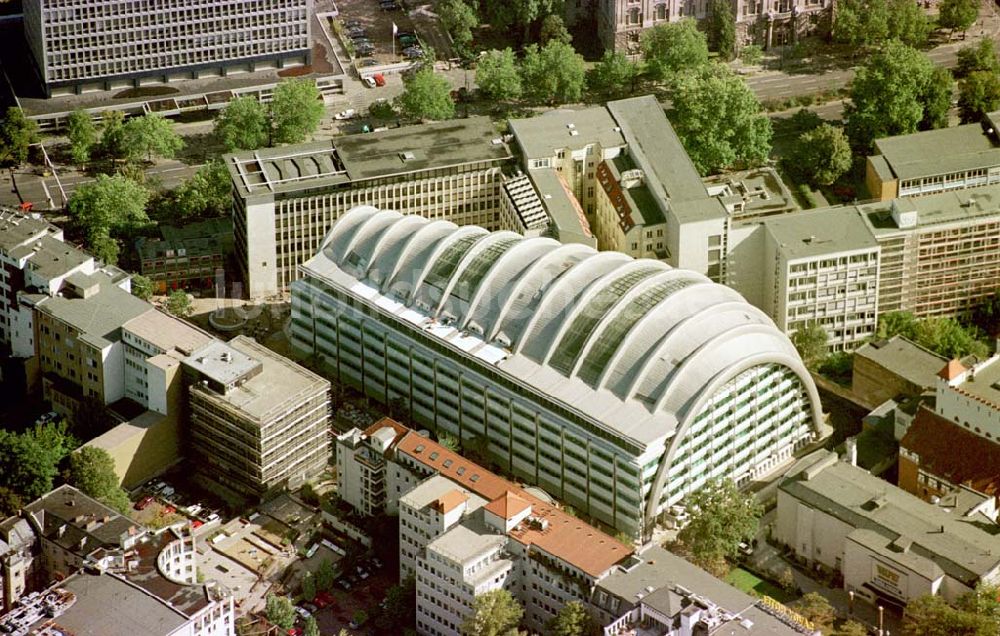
column 178, row 303
column 889, row 94
column 553, row 74
column 17, row 133
column 449, row 442
column 311, row 628
column 308, row 587
column 296, row 110
column 721, row 518
column 151, row 135
column 92, row 471
column 944, row 336
column 109, row 204
column 810, row 341
column 936, row 99
column 673, row 47
column 381, row 109
column 981, row 56
column 400, row 607
column 82, row 134
column 104, row 247
column 29, row 461
column 933, row 616
column 459, row 19
column 614, row 76
column 325, row 575
column 10, row 502
column 571, row 620
column 820, row 155
column 814, row 607
column 554, row 28
column 958, row 15
column 861, row 23
column 242, row 125
column 752, row 54
column 851, row 628
column 497, row 76
column 360, row 617
column 495, row 613
column 427, row 96
column 280, row 611
column 207, row 193
column 908, row 22
column 112, row 142
column 504, row 14
column 722, row 28
column 719, row 120
column 978, row 94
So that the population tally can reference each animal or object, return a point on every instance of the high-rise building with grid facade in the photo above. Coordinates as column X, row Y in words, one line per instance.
column 104, row 44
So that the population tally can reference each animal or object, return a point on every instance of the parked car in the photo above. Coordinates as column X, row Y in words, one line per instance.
column 169, row 510
column 364, row 49
column 413, row 53
column 319, row 602
column 346, row 114
column 352, row 24
column 352, row 31
column 295, row 631
column 51, row 416
column 408, row 40
column 379, row 79
column 389, row 6
column 197, row 523
column 404, row 34
column 143, row 503
column 368, row 81
column 368, row 62
column 193, row 509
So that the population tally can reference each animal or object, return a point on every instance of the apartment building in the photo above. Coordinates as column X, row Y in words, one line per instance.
column 81, row 46
column 527, row 346
column 931, row 161
column 890, row 546
column 34, row 260
column 258, row 421
column 192, row 256
column 286, row 199
column 621, row 23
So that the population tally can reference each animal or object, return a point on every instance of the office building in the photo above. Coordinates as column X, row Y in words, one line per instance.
column 192, row 256
column 621, row 23
column 108, row 44
column 931, row 161
column 286, row 199
column 527, row 345
column 35, row 261
column 258, row 421
column 890, row 546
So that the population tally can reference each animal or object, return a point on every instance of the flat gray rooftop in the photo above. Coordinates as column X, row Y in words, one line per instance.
column 49, row 257
column 955, row 206
column 324, row 164
column 571, row 225
column 100, row 315
column 941, row 151
column 985, row 383
column 905, row 359
column 17, row 228
column 820, row 232
column 220, row 362
column 541, row 136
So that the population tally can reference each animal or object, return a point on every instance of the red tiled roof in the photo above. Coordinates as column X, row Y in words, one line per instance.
column 450, row 500
column 566, row 537
column 384, row 422
column 952, row 370
column 953, row 453
column 507, row 506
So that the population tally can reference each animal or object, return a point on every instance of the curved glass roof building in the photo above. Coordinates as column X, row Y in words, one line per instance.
column 619, row 385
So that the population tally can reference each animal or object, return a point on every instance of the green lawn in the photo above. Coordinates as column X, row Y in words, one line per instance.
column 750, row 583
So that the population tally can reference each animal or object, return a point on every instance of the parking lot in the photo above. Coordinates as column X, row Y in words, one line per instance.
column 366, row 19
column 364, row 595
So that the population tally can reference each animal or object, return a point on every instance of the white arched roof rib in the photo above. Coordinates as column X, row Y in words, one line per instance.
column 560, row 297
column 674, row 337
column 344, row 230
column 464, row 238
column 358, row 249
column 471, row 257
column 386, row 253
column 534, row 280
column 625, row 305
column 414, row 256
column 507, row 269
column 649, row 329
column 586, row 309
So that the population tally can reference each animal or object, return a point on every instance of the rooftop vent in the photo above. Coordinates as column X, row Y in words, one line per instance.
column 225, row 357
column 571, row 126
column 574, row 133
column 496, row 141
column 407, row 156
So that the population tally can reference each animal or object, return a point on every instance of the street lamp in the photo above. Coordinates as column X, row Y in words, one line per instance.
column 881, row 611
column 850, row 602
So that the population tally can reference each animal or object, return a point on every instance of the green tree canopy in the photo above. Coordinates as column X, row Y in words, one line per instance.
column 151, row 135
column 851, row 628
column 719, row 120
column 752, row 54
column 978, row 94
column 495, row 613
column 308, row 586
column 82, row 134
column 614, row 76
column 892, row 94
column 325, row 575
column 449, row 441
column 280, row 611
column 311, row 628
column 814, row 607
column 427, row 96
column 142, row 286
column 720, row 518
column 400, row 607
column 17, row 133
column 820, row 155
column 861, row 23
column 208, row 193
column 722, row 28
column 942, row 335
column 497, row 76
column 113, row 144
column 243, row 124
column 505, row 14
column 571, row 620
column 811, row 343
column 674, row 47
column 178, row 303
column 908, row 22
column 957, row 15
column 554, row 74
column 980, row 56
column 554, row 28
column 29, row 461
column 296, row 110
column 933, row 616
column 936, row 99
column 109, row 205
column 459, row 19
column 92, row 471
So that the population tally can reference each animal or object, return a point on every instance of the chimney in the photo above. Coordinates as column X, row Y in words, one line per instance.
column 851, row 457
